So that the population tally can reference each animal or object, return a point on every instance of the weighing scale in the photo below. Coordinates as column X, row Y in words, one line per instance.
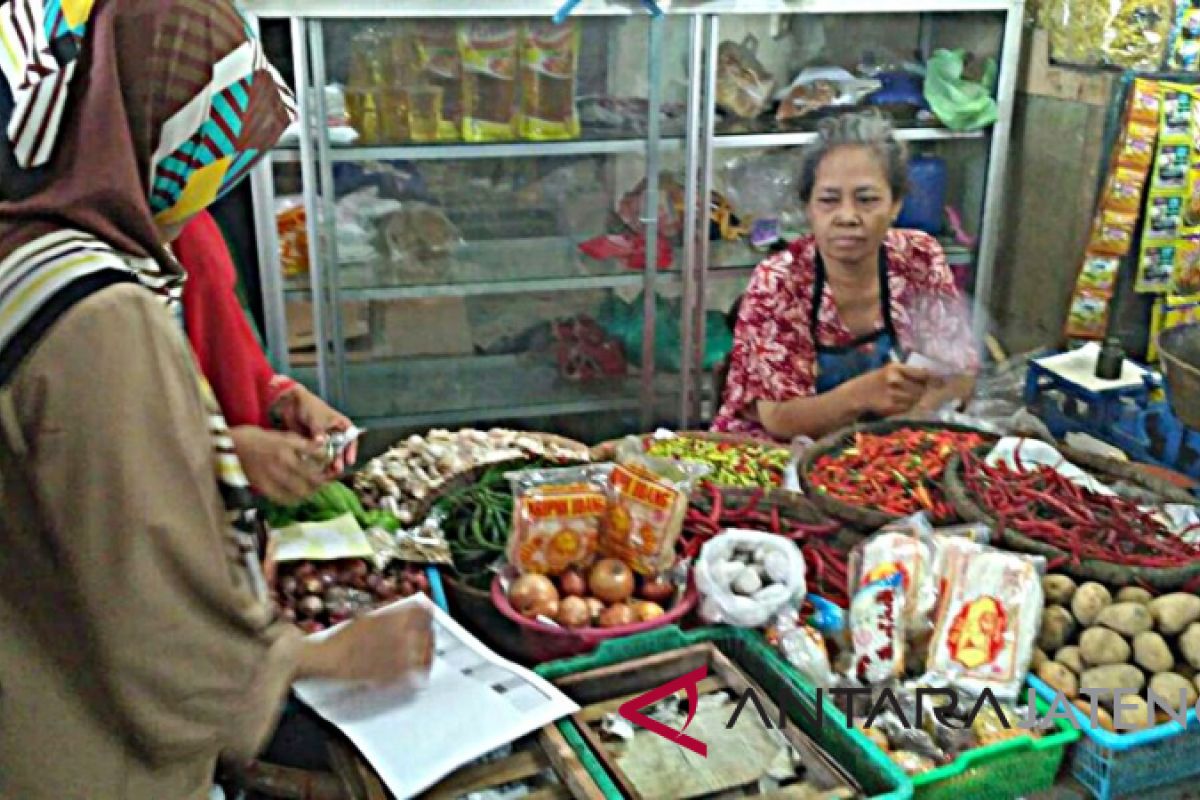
column 1131, row 412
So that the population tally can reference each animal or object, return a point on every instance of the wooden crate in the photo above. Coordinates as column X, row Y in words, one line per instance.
column 530, row 757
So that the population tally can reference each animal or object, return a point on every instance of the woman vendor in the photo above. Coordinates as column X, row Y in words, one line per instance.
column 826, row 326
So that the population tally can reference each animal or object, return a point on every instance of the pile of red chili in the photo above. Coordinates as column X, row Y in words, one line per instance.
column 826, row 565
column 897, row 473
column 1046, row 506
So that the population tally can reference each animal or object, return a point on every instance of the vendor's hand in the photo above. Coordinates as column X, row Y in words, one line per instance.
column 382, row 647
column 893, row 389
column 303, row 413
column 284, row 467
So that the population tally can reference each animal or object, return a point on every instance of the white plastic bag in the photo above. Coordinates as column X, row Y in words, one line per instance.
column 778, row 562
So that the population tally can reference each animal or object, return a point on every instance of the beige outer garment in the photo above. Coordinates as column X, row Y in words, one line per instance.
column 132, row 652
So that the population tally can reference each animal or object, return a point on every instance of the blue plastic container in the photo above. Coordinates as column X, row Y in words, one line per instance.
column 924, row 207
column 1113, row 765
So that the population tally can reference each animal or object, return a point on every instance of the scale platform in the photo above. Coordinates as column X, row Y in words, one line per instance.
column 1131, row 412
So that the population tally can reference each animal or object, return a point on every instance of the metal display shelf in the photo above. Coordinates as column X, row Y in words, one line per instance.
column 537, row 263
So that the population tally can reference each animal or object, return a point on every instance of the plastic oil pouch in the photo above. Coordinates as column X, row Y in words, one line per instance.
column 439, row 63
column 549, row 64
column 489, row 54
column 558, row 515
column 984, row 637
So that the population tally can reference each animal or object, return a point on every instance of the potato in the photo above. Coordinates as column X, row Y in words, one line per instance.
column 1189, row 645
column 1127, row 619
column 1060, row 678
column 1102, row 716
column 1152, row 653
column 1088, row 601
column 1185, row 669
column 1112, row 676
column 1133, row 713
column 1039, row 658
column 1174, row 612
column 1071, row 658
column 1100, row 646
column 1134, row 594
column 1058, row 589
column 1166, row 686
column 1058, row 626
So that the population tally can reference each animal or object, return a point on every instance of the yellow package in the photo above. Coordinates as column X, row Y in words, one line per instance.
column 557, row 518
column 1113, row 234
column 549, row 64
column 1164, row 217
column 1137, row 35
column 1171, row 311
column 1088, row 316
column 1191, row 205
column 1171, row 166
column 1124, row 190
column 1145, row 102
column 1177, row 107
column 1155, row 267
column 1137, row 146
column 1185, row 279
column 489, row 89
column 1099, row 274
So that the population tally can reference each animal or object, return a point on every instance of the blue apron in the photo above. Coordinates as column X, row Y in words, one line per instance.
column 836, row 365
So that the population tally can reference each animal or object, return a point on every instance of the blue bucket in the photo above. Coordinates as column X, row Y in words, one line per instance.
column 924, row 205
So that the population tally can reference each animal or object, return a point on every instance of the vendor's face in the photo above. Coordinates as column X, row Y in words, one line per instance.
column 852, row 206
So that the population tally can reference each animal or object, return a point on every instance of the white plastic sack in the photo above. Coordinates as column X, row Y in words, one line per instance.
column 781, row 560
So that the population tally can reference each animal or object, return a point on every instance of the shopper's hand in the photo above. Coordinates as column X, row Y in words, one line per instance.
column 892, row 389
column 285, row 467
column 303, row 413
column 389, row 645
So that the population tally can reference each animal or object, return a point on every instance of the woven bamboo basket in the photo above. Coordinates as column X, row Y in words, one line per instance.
column 1128, row 480
column 859, row 517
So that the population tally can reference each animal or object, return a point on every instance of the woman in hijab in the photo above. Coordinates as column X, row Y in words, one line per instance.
column 138, row 644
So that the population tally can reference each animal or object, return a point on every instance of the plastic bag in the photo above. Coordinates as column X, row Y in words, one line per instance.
column 732, row 556
column 624, row 322
column 557, row 517
column 903, row 548
column 804, row 648
column 817, row 88
column 744, row 86
column 960, row 104
column 648, row 498
column 985, row 634
column 764, row 186
column 1133, row 34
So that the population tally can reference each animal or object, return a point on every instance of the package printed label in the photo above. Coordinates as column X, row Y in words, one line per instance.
column 1155, row 268
column 1171, row 167
column 1177, row 115
column 1099, row 273
column 1164, row 217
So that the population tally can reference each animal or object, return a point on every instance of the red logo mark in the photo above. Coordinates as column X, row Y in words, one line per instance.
column 631, row 710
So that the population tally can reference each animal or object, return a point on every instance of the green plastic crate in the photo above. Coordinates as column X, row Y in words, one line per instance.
column 1002, row 771
column 879, row 776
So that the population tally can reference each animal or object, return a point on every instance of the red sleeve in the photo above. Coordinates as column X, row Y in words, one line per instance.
column 938, row 320
column 773, row 352
column 226, row 349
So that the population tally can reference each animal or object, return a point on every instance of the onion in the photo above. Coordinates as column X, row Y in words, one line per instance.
column 646, row 610
column 595, row 608
column 530, row 595
column 617, row 615
column 657, row 589
column 573, row 612
column 611, row 580
column 572, row 583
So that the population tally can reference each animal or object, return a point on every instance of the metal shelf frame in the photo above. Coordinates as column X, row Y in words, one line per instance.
column 316, row 156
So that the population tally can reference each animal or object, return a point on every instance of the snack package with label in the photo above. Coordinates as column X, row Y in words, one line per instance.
column 1164, row 218
column 439, row 64
column 1191, row 206
column 984, row 637
column 1171, row 166
column 648, row 498
column 950, row 548
column 1185, row 278
column 291, row 222
column 1185, row 37
column 1114, row 233
column 1145, row 102
column 489, row 87
column 1155, row 267
column 744, row 87
column 1137, row 145
column 1088, row 316
column 905, row 548
column 1123, row 192
column 549, row 64
column 877, row 613
column 1137, row 35
column 1099, row 273
column 558, row 515
column 1177, row 113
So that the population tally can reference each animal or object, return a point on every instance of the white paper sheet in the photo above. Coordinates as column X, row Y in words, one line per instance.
column 473, row 702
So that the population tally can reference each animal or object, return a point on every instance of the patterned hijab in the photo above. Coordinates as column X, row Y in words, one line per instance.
column 119, row 116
